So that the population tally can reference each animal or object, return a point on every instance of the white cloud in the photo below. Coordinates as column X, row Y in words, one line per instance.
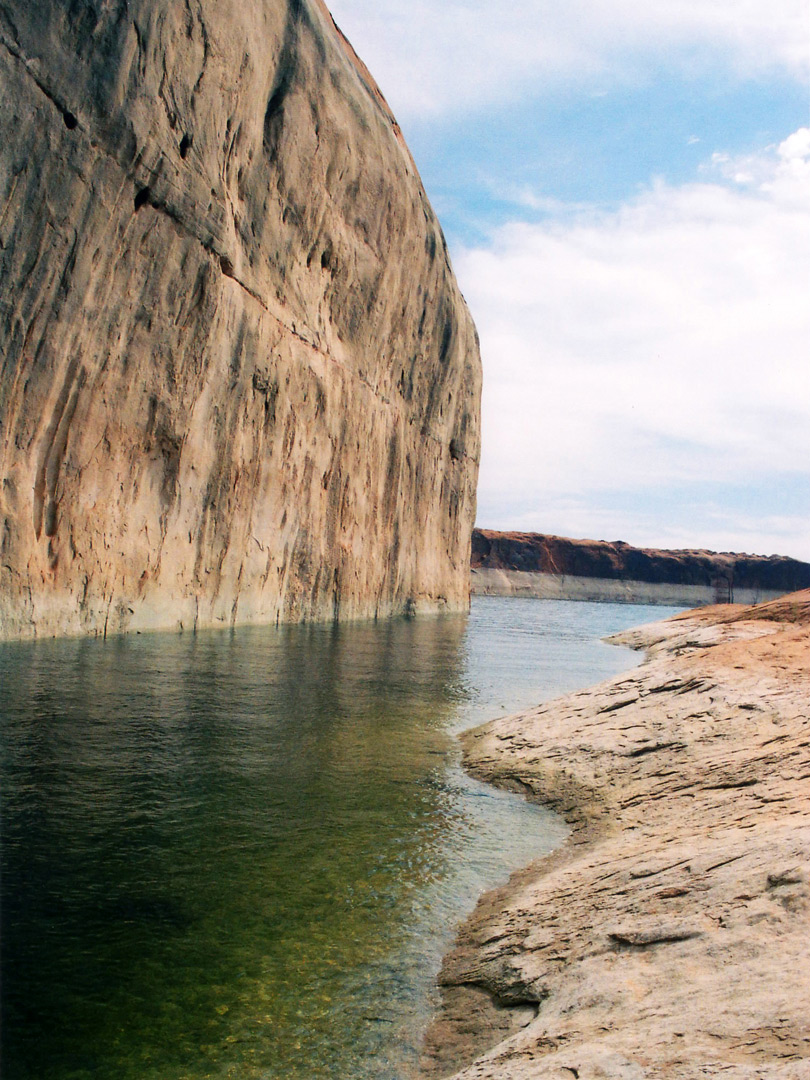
column 435, row 56
column 664, row 344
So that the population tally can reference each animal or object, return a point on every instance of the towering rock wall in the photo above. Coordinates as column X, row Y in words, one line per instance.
column 239, row 381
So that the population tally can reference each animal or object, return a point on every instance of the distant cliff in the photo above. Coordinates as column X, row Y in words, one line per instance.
column 508, row 563
column 239, row 381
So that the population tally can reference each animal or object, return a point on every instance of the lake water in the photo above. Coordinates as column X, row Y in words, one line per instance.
column 242, row 855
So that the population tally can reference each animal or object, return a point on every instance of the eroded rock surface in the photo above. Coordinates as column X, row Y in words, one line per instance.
column 239, row 382
column 669, row 937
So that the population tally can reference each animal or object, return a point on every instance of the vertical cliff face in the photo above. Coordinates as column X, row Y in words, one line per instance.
column 239, row 381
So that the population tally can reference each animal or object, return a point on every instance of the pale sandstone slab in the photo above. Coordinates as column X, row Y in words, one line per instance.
column 671, row 936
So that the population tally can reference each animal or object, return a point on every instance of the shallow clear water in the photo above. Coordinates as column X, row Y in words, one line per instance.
column 243, row 854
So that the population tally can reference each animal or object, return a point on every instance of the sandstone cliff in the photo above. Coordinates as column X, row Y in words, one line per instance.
column 239, row 382
column 510, row 563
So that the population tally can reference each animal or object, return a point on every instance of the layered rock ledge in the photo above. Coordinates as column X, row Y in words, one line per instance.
column 669, row 937
column 239, row 382
column 559, row 568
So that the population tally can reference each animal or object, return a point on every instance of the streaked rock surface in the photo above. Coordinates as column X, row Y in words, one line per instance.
column 239, row 382
column 669, row 937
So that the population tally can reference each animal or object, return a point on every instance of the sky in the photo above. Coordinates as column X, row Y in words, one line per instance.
column 625, row 192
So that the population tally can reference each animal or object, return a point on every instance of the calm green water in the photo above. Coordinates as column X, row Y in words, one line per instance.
column 243, row 855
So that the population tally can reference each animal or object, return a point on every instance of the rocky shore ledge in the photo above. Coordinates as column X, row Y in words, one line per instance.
column 670, row 936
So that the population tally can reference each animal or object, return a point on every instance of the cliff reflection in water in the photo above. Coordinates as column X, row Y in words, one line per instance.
column 244, row 855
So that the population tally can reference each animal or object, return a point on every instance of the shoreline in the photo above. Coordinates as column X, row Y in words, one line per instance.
column 668, row 937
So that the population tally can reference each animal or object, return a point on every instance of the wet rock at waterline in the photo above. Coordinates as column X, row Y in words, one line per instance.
column 239, row 380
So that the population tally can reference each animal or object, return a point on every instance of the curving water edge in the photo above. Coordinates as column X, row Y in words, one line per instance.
column 243, row 855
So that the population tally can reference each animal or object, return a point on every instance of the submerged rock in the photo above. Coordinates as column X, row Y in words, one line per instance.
column 239, row 380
